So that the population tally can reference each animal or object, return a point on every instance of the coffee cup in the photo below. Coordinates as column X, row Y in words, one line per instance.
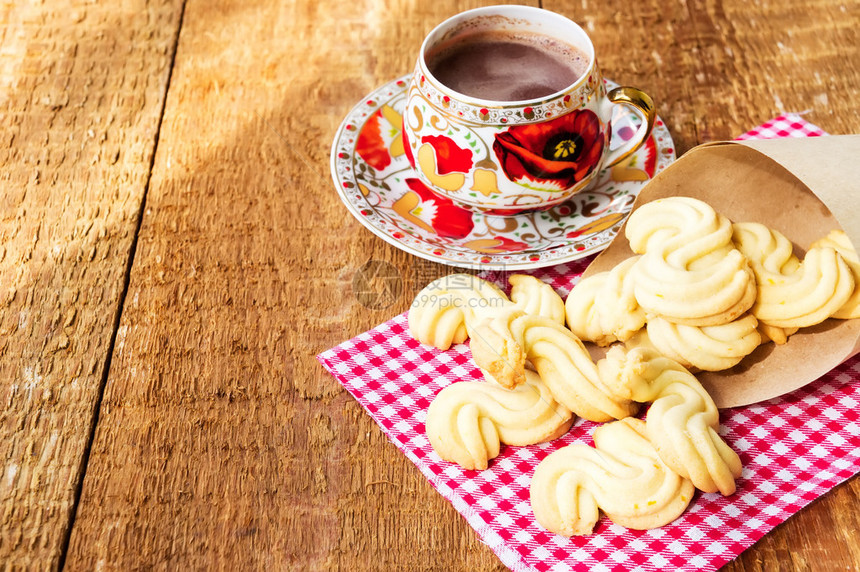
column 507, row 111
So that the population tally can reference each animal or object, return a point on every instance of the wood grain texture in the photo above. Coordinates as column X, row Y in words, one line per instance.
column 221, row 443
column 81, row 92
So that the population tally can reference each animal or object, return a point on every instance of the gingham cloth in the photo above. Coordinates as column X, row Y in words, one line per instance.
column 794, row 449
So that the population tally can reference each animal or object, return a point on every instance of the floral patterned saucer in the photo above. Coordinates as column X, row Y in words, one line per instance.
column 377, row 184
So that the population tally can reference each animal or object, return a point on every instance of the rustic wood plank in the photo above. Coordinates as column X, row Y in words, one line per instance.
column 81, row 93
column 221, row 442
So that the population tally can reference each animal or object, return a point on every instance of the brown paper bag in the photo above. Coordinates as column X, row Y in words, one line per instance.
column 802, row 187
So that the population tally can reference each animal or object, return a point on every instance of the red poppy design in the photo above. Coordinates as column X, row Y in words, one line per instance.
column 560, row 152
column 370, row 146
column 649, row 163
column 449, row 157
column 446, row 218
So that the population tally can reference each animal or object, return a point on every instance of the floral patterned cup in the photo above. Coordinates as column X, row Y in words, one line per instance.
column 493, row 156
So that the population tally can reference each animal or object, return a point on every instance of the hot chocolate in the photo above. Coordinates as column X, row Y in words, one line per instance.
column 504, row 65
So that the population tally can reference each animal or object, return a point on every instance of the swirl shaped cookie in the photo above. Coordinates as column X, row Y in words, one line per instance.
column 792, row 295
column 468, row 421
column 707, row 348
column 582, row 313
column 683, row 221
column 690, row 273
column 535, row 297
column 623, row 475
column 682, row 422
column 776, row 334
column 440, row 313
column 501, row 344
column 839, row 241
column 603, row 309
column 496, row 350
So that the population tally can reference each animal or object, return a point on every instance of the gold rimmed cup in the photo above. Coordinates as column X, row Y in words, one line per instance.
column 508, row 157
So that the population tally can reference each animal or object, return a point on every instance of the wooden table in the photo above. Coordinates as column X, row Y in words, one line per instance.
column 173, row 255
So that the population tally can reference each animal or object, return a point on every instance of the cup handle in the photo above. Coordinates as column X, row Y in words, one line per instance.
column 641, row 104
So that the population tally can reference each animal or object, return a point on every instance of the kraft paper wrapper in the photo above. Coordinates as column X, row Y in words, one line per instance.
column 802, row 187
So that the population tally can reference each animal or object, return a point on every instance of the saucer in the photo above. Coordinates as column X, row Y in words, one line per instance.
column 378, row 186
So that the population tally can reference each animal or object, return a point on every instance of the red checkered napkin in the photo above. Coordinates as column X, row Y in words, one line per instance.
column 790, row 125
column 794, row 449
